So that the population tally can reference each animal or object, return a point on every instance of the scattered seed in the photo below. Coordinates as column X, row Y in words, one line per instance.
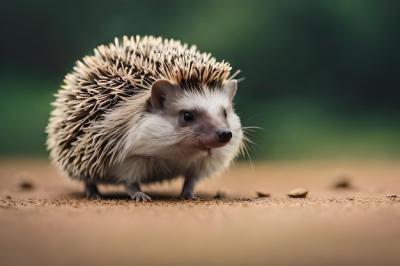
column 298, row 193
column 244, row 199
column 263, row 194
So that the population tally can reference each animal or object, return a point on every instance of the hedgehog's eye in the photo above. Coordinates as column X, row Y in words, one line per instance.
column 225, row 114
column 188, row 116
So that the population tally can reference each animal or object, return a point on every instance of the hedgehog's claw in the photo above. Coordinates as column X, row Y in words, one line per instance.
column 188, row 197
column 140, row 196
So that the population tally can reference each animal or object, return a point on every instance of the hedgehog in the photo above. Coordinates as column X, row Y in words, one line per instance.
column 142, row 110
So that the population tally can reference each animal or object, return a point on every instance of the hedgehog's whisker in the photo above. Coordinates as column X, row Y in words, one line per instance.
column 244, row 148
column 252, row 128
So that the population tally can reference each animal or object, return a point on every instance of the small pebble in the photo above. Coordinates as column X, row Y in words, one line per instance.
column 220, row 195
column 298, row 193
column 263, row 194
column 391, row 196
column 342, row 181
column 26, row 185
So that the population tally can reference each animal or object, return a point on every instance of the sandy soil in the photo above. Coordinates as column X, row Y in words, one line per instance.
column 53, row 224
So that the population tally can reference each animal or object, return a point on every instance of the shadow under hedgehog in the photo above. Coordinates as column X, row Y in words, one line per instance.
column 143, row 110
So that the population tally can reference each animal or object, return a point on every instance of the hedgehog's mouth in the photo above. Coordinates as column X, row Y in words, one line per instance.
column 209, row 145
column 206, row 149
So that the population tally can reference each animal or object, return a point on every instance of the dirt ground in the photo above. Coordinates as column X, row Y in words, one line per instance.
column 52, row 223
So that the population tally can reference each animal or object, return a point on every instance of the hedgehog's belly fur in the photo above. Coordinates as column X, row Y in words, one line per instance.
column 143, row 169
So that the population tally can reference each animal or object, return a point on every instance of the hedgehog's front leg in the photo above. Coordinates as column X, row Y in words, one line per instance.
column 91, row 190
column 135, row 193
column 188, row 188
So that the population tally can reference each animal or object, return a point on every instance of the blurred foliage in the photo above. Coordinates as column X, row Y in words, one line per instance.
column 322, row 77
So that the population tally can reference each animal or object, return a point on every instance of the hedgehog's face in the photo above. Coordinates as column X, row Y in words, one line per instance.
column 202, row 119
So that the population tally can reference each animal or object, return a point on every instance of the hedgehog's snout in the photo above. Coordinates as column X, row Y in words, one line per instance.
column 224, row 135
column 216, row 139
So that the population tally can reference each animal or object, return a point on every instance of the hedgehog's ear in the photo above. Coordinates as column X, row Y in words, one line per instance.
column 230, row 88
column 160, row 91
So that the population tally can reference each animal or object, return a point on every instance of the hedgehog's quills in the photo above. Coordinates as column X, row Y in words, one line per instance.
column 145, row 110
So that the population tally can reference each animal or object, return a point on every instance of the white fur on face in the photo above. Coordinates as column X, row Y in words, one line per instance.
column 160, row 132
column 151, row 136
column 211, row 101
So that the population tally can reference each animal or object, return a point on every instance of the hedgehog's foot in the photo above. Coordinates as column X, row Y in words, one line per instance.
column 135, row 193
column 188, row 189
column 189, row 197
column 140, row 196
column 91, row 191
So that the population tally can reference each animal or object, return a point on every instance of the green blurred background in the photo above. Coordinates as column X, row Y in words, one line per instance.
column 322, row 77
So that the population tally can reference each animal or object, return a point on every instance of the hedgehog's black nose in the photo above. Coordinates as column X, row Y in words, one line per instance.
column 224, row 135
